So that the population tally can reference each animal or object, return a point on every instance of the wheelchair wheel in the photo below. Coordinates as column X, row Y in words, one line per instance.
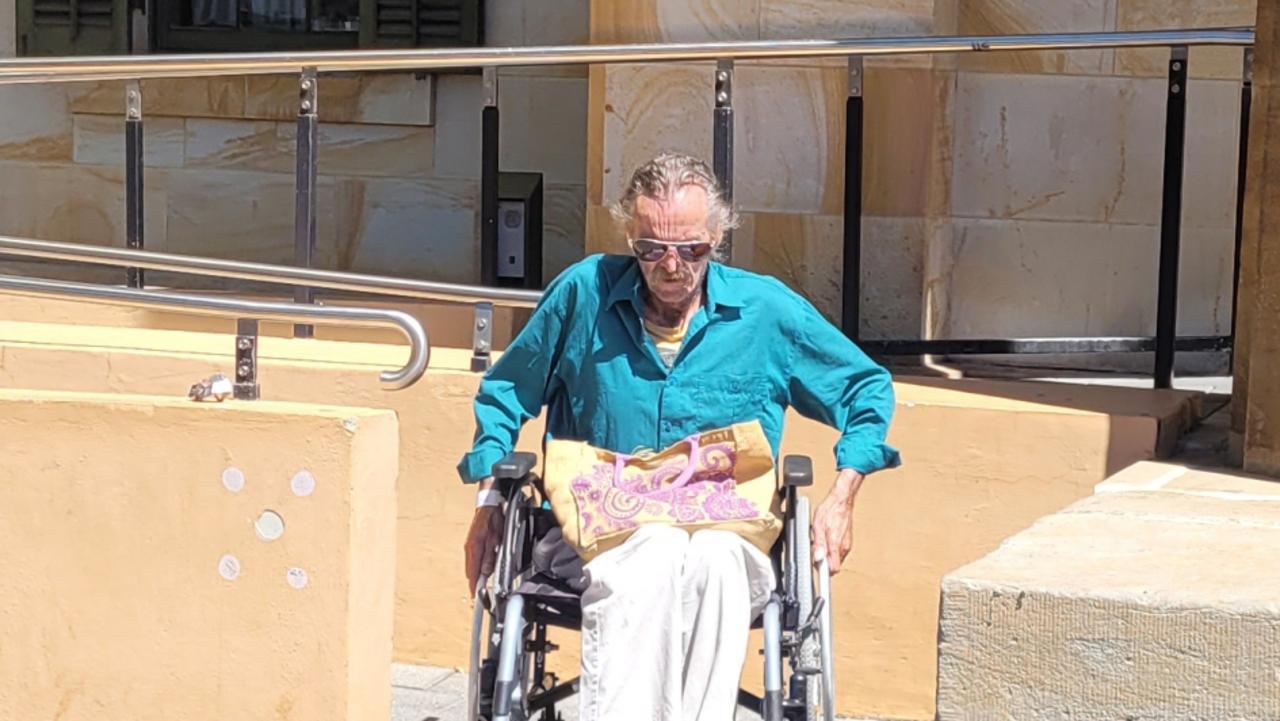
column 814, row 658
column 828, row 675
column 477, row 649
column 801, row 581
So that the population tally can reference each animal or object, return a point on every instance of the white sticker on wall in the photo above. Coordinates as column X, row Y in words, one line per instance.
column 269, row 526
column 229, row 567
column 233, row 479
column 297, row 577
column 303, row 483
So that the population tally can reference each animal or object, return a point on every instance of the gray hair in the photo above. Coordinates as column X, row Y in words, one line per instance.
column 661, row 177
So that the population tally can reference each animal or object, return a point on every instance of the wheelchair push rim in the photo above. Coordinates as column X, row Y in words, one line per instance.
column 816, row 649
column 477, row 638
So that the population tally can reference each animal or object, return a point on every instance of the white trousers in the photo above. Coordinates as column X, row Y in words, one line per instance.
column 665, row 621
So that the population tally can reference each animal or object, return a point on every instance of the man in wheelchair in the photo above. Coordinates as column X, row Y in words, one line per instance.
column 642, row 351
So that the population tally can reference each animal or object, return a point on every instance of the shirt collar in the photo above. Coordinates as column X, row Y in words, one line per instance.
column 720, row 292
column 628, row 287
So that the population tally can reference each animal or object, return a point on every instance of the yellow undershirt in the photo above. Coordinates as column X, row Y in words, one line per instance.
column 667, row 340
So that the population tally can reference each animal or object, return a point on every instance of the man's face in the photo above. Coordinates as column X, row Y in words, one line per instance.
column 680, row 218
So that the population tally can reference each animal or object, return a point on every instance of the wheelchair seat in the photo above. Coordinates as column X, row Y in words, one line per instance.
column 553, row 589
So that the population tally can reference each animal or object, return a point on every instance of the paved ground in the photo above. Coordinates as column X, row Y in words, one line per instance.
column 422, row 693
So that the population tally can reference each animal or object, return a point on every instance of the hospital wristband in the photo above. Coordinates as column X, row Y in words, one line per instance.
column 488, row 497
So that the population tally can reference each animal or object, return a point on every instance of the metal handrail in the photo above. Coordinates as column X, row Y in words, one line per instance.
column 134, row 68
column 263, row 272
column 419, row 346
column 32, row 70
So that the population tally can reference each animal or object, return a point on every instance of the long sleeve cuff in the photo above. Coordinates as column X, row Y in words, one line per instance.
column 478, row 464
column 866, row 456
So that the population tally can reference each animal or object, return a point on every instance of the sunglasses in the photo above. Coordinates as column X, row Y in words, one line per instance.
column 651, row 251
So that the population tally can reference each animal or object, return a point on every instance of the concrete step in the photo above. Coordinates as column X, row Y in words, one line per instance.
column 1156, row 598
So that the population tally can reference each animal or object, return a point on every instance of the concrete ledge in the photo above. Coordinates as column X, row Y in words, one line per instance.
column 1175, row 478
column 1131, row 604
column 142, row 582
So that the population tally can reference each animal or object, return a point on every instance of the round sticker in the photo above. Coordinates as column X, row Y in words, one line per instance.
column 233, row 479
column 297, row 577
column 229, row 567
column 303, row 483
column 269, row 526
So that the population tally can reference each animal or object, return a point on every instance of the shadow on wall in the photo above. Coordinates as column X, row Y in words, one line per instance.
column 1136, row 414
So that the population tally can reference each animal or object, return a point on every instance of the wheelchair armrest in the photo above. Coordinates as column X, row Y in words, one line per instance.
column 514, row 466
column 797, row 471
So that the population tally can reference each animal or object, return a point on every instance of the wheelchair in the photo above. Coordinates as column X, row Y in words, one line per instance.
column 535, row 586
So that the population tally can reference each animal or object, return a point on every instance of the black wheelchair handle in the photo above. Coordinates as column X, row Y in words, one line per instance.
column 515, row 466
column 797, row 471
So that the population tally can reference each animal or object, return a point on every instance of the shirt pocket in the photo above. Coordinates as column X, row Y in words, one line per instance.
column 735, row 398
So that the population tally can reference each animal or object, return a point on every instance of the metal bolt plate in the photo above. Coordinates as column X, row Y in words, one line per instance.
column 308, row 92
column 133, row 100
column 724, row 84
column 855, row 76
column 490, row 83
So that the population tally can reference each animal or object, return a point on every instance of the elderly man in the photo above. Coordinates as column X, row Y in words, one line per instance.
column 641, row 351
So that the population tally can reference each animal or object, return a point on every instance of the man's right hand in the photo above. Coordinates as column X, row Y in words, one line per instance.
column 482, row 543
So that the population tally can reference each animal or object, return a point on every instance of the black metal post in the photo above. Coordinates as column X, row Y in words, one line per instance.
column 489, row 180
column 1246, row 107
column 133, row 169
column 722, row 146
column 246, row 386
column 304, row 210
column 1171, row 218
column 851, row 292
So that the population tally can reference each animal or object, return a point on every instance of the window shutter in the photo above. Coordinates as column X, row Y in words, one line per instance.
column 421, row 23
column 73, row 27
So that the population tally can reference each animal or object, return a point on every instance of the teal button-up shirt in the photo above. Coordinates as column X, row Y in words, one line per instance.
column 753, row 349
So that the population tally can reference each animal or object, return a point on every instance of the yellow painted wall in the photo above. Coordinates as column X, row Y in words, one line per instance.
column 983, row 460
column 118, row 601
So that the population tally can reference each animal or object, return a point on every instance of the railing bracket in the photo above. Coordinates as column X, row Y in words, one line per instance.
column 482, row 338
column 246, row 385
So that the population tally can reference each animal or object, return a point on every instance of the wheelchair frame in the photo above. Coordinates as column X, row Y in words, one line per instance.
column 508, row 679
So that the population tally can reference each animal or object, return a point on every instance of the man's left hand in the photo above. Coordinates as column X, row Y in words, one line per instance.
column 832, row 526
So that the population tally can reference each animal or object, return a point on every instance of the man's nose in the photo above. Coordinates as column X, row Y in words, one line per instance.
column 670, row 261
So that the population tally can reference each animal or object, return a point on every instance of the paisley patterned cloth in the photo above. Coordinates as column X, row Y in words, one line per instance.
column 697, row 483
column 611, row 501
